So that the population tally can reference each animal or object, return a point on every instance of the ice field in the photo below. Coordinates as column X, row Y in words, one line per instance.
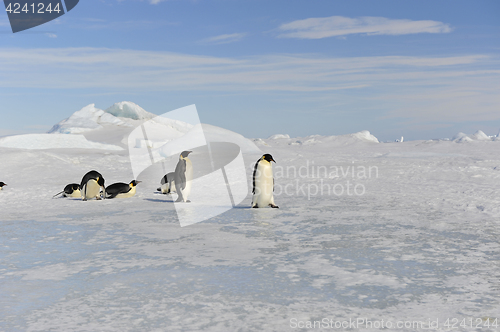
column 399, row 233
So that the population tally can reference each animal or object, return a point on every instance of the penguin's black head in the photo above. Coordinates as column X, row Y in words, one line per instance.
column 75, row 186
column 100, row 181
column 268, row 157
column 2, row 184
column 134, row 183
column 184, row 154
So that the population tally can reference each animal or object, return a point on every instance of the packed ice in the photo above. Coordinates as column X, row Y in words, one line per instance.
column 366, row 232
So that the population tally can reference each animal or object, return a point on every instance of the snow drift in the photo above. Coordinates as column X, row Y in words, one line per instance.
column 477, row 136
column 339, row 140
column 48, row 141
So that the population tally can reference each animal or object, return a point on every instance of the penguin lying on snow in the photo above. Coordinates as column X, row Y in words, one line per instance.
column 2, row 185
column 91, row 186
column 263, row 183
column 167, row 183
column 121, row 190
column 71, row 190
column 183, row 177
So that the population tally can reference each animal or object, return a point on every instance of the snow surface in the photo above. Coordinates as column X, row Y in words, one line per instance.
column 421, row 242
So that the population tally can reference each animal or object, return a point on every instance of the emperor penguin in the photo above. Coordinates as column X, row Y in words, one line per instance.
column 2, row 185
column 183, row 177
column 167, row 183
column 121, row 190
column 91, row 185
column 71, row 190
column 263, row 183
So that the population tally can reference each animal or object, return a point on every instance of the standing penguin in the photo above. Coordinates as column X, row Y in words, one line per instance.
column 71, row 190
column 91, row 185
column 183, row 176
column 121, row 190
column 2, row 185
column 167, row 183
column 263, row 183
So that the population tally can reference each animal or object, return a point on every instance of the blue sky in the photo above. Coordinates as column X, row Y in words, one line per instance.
column 422, row 69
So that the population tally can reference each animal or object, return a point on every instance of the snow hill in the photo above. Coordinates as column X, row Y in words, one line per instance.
column 109, row 129
column 92, row 118
column 477, row 136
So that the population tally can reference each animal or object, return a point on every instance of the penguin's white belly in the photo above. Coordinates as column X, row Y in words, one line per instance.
column 264, row 185
column 130, row 193
column 75, row 193
column 165, row 187
column 91, row 189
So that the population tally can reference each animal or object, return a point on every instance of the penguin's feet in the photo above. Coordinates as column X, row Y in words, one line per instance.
column 255, row 206
column 274, row 206
column 188, row 201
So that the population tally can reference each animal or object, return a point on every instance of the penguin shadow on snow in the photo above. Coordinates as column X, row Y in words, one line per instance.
column 159, row 200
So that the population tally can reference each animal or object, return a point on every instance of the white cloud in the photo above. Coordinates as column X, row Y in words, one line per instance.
column 323, row 27
column 117, row 68
column 51, row 35
column 445, row 88
column 224, row 39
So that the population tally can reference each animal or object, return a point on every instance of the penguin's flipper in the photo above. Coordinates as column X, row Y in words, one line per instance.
column 111, row 193
column 254, row 173
column 181, row 172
